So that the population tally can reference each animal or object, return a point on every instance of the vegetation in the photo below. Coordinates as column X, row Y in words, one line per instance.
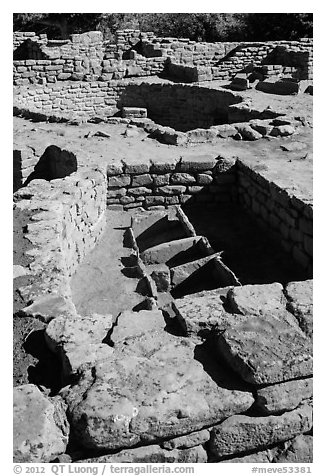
column 196, row 26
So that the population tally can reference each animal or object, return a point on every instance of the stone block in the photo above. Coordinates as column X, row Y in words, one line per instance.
column 40, row 427
column 162, row 253
column 266, row 350
column 283, row 397
column 160, row 273
column 240, row 434
column 182, row 178
column 149, row 366
column 202, row 312
column 119, row 181
column 136, row 166
column 160, row 180
column 197, row 163
column 204, row 179
column 171, row 189
column 140, row 180
column 139, row 191
column 300, row 303
column 153, row 454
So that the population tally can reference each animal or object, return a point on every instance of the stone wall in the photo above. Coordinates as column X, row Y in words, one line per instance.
column 86, row 57
column 180, row 106
column 148, row 184
column 286, row 216
column 67, row 219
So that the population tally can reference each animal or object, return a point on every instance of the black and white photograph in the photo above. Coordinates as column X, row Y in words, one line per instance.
column 162, row 241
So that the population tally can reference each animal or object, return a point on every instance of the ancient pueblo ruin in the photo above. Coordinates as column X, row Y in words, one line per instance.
column 162, row 250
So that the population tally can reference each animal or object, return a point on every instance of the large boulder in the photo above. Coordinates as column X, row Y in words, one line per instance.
column 41, row 428
column 152, row 389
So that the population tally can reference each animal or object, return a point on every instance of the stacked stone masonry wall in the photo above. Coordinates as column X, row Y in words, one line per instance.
column 86, row 57
column 180, row 106
column 68, row 217
column 148, row 184
column 289, row 218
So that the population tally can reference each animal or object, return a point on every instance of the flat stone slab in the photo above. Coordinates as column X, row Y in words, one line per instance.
column 284, row 396
column 153, row 454
column 266, row 350
column 240, row 434
column 164, row 252
column 184, row 271
column 134, row 324
column 199, row 313
column 300, row 303
column 77, row 330
column 41, row 429
column 152, row 389
column 78, row 340
column 257, row 299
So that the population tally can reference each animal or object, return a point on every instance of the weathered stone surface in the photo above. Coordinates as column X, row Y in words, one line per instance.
column 172, row 189
column 140, row 180
column 266, row 350
column 136, row 166
column 77, row 330
column 133, row 112
column 162, row 166
column 300, row 303
column 182, row 272
column 20, row 271
column 119, row 181
column 284, row 396
column 182, row 178
column 225, row 130
column 165, row 251
column 76, row 358
column 153, row 454
column 152, row 389
column 257, row 299
column 160, row 273
column 197, row 163
column 132, row 324
column 259, row 457
column 300, row 450
column 248, row 132
column 261, row 126
column 239, row 434
column 282, row 131
column 41, row 428
column 50, row 306
column 187, row 441
column 199, row 313
column 204, row 179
